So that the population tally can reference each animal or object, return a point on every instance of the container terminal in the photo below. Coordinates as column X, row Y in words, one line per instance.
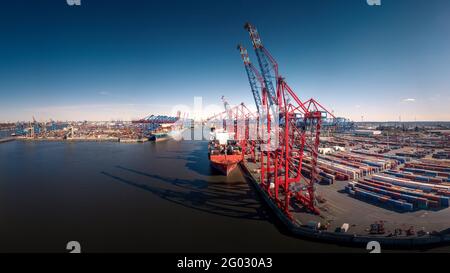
column 324, row 177
column 152, row 128
column 330, row 179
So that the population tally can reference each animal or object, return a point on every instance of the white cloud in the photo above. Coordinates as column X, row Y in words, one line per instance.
column 104, row 93
column 409, row 100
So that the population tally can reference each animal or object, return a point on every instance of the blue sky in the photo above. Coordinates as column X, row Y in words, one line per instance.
column 117, row 59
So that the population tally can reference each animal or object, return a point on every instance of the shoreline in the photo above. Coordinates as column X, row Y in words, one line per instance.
column 8, row 139
column 119, row 140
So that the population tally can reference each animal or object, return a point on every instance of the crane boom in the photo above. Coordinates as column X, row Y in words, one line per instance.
column 227, row 108
column 291, row 130
column 267, row 64
column 253, row 76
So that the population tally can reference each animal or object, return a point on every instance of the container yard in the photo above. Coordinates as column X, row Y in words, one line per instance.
column 404, row 190
column 343, row 183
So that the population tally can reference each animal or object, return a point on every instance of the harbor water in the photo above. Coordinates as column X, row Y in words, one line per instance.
column 147, row 197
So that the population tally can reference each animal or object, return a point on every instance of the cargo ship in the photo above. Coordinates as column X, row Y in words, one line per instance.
column 157, row 137
column 224, row 152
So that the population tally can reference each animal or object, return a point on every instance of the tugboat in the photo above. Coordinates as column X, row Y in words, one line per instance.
column 223, row 152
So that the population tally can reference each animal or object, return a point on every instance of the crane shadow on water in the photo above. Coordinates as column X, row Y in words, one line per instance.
column 225, row 198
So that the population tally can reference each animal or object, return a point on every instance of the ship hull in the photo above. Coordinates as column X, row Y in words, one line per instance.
column 225, row 164
column 159, row 138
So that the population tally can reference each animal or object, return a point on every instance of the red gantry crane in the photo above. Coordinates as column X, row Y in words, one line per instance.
column 290, row 130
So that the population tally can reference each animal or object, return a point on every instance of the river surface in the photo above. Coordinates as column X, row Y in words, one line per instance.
column 6, row 133
column 113, row 197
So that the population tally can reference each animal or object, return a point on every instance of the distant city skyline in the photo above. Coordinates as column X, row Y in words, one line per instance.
column 123, row 60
